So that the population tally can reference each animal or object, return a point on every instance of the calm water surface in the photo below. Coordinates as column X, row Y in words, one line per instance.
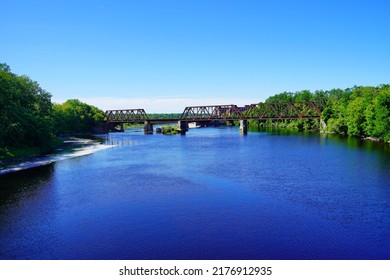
column 211, row 194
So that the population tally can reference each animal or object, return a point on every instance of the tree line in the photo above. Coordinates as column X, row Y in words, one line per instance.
column 29, row 119
column 362, row 111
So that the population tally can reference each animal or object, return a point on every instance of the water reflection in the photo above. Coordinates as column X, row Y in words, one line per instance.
column 15, row 185
column 380, row 148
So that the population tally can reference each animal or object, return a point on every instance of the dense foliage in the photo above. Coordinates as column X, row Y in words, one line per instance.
column 26, row 110
column 74, row 116
column 29, row 121
column 357, row 111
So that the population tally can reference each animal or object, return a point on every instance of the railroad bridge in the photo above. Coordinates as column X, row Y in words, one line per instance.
column 210, row 113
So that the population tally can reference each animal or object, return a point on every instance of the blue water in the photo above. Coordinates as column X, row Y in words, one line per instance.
column 212, row 194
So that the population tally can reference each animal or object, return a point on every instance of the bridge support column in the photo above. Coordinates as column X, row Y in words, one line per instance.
column 148, row 127
column 244, row 127
column 183, row 127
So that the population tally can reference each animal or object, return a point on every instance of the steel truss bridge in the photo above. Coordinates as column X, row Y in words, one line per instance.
column 199, row 114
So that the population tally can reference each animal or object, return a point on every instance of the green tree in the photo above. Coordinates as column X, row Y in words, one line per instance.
column 25, row 112
column 377, row 115
column 74, row 116
column 355, row 116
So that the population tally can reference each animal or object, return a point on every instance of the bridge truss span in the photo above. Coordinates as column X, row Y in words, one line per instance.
column 261, row 111
column 126, row 115
column 281, row 111
column 217, row 113
column 211, row 112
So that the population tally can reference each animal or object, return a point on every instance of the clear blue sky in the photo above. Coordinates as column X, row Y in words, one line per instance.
column 174, row 52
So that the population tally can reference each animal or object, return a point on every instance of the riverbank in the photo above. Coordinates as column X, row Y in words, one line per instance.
column 363, row 138
column 318, row 129
column 68, row 147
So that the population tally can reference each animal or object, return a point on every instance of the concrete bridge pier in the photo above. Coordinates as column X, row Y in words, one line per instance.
column 244, row 127
column 148, row 127
column 183, row 127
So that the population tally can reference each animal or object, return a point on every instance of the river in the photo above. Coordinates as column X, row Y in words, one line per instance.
column 212, row 194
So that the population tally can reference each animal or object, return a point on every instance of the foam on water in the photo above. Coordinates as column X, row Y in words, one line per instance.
column 89, row 148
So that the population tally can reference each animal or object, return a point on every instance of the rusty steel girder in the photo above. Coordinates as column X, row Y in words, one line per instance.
column 212, row 112
column 261, row 111
column 282, row 110
column 126, row 115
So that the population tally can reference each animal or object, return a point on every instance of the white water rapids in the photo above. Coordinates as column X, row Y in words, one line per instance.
column 81, row 147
